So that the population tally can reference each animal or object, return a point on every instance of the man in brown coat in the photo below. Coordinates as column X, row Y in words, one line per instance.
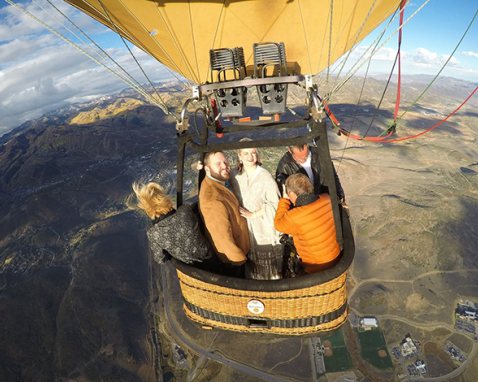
column 219, row 209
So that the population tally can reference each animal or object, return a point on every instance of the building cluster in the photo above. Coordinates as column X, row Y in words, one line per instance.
column 368, row 323
column 455, row 353
column 417, row 368
column 409, row 347
column 180, row 356
column 466, row 317
column 467, row 310
column 318, row 351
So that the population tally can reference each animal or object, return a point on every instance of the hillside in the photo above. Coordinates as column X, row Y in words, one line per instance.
column 74, row 268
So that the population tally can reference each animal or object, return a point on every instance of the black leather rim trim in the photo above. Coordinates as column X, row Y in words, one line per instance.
column 265, row 322
column 345, row 259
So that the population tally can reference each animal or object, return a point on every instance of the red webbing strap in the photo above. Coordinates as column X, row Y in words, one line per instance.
column 384, row 139
column 217, row 122
column 391, row 130
column 369, row 139
column 329, row 113
column 436, row 124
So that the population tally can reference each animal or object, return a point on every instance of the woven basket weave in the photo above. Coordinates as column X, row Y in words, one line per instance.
column 270, row 311
column 301, row 305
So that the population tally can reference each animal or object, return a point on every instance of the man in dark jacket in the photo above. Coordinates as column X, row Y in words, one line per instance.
column 305, row 159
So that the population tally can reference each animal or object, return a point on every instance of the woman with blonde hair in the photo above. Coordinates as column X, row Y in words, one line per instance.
column 173, row 232
column 258, row 196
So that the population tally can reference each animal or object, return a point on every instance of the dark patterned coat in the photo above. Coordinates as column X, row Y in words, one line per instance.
column 178, row 234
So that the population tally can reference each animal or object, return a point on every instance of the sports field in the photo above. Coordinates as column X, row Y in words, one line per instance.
column 374, row 348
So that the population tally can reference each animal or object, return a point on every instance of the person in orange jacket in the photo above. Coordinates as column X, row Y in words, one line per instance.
column 309, row 220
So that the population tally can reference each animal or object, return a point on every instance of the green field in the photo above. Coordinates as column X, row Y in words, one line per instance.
column 340, row 360
column 371, row 342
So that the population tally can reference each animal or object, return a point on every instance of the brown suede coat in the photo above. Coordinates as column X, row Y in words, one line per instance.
column 226, row 228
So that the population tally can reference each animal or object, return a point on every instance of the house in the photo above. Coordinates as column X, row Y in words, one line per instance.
column 368, row 323
column 408, row 347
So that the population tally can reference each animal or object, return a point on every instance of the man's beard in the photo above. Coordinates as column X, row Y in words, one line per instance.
column 220, row 177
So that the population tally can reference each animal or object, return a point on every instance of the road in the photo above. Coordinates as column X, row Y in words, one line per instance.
column 176, row 331
column 179, row 336
column 357, row 285
column 455, row 373
column 430, row 326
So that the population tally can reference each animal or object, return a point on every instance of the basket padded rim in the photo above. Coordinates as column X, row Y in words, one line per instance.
column 344, row 260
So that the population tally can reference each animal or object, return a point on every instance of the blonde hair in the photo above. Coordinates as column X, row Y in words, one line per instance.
column 152, row 199
column 300, row 184
column 240, row 165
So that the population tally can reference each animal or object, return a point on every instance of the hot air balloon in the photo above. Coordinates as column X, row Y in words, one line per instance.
column 229, row 50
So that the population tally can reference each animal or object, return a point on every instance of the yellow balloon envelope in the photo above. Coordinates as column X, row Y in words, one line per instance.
column 180, row 34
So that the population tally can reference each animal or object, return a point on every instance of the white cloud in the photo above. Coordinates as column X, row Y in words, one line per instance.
column 385, row 54
column 453, row 61
column 424, row 57
column 39, row 72
column 470, row 53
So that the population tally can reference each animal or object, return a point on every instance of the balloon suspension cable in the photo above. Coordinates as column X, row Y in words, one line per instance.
column 355, row 41
column 102, row 54
column 364, row 58
column 372, row 47
column 399, row 74
column 379, row 105
column 359, row 99
column 161, row 102
column 390, row 132
column 385, row 136
column 331, row 14
column 442, row 67
column 209, row 71
column 126, row 80
column 185, row 82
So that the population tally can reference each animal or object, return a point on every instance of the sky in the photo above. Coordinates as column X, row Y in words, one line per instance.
column 39, row 72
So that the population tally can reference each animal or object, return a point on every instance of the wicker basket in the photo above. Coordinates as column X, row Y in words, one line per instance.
column 301, row 305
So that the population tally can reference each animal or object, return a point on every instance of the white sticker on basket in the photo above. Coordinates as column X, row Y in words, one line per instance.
column 255, row 306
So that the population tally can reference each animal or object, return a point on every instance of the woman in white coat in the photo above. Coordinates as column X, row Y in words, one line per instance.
column 258, row 196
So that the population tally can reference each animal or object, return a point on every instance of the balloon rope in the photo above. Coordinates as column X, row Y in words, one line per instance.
column 193, row 37
column 330, row 39
column 397, row 60
column 441, row 69
column 178, row 47
column 382, row 97
column 305, row 35
column 436, row 124
column 164, row 106
column 356, row 38
column 361, row 61
column 128, row 81
column 355, row 113
column 101, row 53
column 385, row 139
column 213, row 42
column 399, row 75
column 374, row 47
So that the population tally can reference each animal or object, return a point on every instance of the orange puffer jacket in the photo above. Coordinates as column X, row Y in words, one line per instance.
column 312, row 228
